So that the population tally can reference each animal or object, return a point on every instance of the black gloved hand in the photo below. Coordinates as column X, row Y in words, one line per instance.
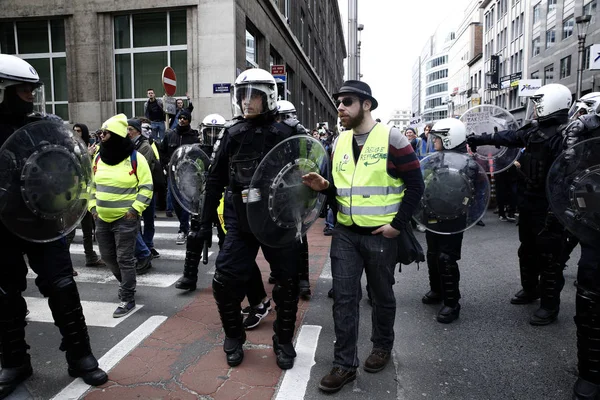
column 478, row 140
column 205, row 233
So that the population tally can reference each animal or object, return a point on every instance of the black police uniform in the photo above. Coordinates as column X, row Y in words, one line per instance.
column 52, row 263
column 443, row 252
column 587, row 301
column 239, row 152
column 542, row 237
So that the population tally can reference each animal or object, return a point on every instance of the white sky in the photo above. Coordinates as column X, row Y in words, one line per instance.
column 394, row 35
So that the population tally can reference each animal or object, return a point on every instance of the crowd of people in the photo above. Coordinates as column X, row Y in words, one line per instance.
column 369, row 204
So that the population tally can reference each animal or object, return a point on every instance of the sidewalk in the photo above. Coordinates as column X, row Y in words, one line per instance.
column 184, row 358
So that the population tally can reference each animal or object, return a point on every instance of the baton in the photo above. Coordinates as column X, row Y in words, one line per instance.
column 205, row 254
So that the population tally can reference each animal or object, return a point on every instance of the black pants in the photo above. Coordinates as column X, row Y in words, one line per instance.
column 506, row 193
column 443, row 252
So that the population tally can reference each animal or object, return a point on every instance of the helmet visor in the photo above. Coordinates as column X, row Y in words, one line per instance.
column 250, row 100
column 39, row 99
column 210, row 135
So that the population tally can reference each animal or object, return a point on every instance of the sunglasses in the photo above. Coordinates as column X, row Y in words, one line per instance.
column 183, row 117
column 347, row 102
column 101, row 133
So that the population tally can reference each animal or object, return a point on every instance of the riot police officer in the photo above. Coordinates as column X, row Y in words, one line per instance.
column 210, row 127
column 50, row 261
column 587, row 301
column 541, row 235
column 239, row 150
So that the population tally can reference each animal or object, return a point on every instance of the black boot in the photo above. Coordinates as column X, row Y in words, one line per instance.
column 587, row 320
column 68, row 316
column 304, row 290
column 530, row 275
column 450, row 278
column 434, row 296
column 551, row 283
column 227, row 296
column 285, row 294
column 193, row 255
column 16, row 364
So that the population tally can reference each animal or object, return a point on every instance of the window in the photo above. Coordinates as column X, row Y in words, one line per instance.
column 535, row 75
column 548, row 74
column 590, row 9
column 302, row 18
column 139, row 57
column 567, row 29
column 586, row 56
column 550, row 37
column 565, row 67
column 441, row 87
column 286, row 11
column 41, row 44
column 536, row 13
column 535, row 47
column 251, row 61
column 551, row 6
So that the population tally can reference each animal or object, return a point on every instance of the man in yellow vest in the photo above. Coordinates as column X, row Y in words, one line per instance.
column 377, row 184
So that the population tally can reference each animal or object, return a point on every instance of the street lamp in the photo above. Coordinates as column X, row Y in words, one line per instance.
column 360, row 28
column 582, row 26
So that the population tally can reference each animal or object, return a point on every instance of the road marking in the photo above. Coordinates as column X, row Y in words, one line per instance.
column 296, row 379
column 78, row 387
column 157, row 236
column 326, row 272
column 166, row 254
column 97, row 313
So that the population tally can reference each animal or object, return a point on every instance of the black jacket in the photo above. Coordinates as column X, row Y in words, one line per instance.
column 174, row 139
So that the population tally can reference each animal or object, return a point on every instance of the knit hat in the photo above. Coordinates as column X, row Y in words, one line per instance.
column 116, row 125
column 187, row 114
column 135, row 124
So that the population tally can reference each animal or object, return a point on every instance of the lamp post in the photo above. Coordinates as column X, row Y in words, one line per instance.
column 360, row 29
column 582, row 26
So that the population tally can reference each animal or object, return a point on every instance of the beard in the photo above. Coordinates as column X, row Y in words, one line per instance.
column 353, row 122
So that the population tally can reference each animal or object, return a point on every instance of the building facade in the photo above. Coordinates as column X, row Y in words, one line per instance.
column 554, row 47
column 400, row 119
column 98, row 57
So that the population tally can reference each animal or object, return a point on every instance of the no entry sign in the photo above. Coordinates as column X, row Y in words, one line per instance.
column 169, row 81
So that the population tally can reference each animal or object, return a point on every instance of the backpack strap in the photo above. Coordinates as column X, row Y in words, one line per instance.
column 132, row 160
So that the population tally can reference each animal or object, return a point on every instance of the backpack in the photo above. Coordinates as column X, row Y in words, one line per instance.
column 132, row 160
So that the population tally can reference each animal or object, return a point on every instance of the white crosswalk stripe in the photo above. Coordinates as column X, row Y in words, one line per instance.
column 157, row 236
column 167, row 254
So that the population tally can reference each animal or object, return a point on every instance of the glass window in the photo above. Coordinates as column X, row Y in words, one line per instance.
column 586, row 57
column 548, row 74
column 7, row 38
column 147, row 69
column 178, row 25
column 59, row 68
column 57, row 30
column 551, row 6
column 590, row 9
column 565, row 67
column 535, row 75
column 568, row 24
column 535, row 47
column 250, row 50
column 122, row 39
column 123, row 75
column 42, row 66
column 32, row 37
column 149, row 29
column 179, row 64
column 536, row 13
column 550, row 37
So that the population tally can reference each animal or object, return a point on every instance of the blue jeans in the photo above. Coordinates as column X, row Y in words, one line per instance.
column 350, row 254
column 141, row 250
column 329, row 220
column 182, row 215
column 158, row 130
column 148, row 218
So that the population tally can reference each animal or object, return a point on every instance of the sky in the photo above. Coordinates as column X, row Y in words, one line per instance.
column 394, row 34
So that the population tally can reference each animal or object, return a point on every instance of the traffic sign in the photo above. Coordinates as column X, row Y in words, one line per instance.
column 221, row 88
column 595, row 56
column 280, row 78
column 169, row 81
column 277, row 69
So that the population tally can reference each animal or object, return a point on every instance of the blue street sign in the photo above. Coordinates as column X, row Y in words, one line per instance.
column 221, row 88
column 280, row 77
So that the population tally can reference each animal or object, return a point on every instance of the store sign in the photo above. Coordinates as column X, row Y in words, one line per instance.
column 528, row 87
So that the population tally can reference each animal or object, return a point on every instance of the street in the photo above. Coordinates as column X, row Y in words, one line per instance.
column 490, row 352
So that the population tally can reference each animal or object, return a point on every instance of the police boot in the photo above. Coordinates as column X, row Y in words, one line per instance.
column 450, row 277
column 528, row 266
column 227, row 296
column 16, row 364
column 551, row 284
column 434, row 296
column 68, row 316
column 587, row 320
column 193, row 255
column 285, row 294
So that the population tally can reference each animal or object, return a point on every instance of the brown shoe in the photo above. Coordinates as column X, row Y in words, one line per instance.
column 377, row 360
column 336, row 379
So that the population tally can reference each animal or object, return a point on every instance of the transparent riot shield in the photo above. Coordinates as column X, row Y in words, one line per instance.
column 187, row 175
column 457, row 193
column 490, row 119
column 573, row 190
column 45, row 181
column 280, row 207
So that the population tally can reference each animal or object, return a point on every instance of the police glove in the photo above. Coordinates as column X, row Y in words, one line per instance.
column 480, row 140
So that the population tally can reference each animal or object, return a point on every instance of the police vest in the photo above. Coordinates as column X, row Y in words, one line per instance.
column 366, row 195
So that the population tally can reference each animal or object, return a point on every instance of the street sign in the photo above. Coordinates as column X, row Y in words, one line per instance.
column 170, row 104
column 221, row 88
column 281, row 78
column 595, row 56
column 169, row 81
column 528, row 87
column 277, row 69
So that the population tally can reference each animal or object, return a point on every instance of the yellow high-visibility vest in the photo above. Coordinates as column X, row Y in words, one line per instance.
column 366, row 194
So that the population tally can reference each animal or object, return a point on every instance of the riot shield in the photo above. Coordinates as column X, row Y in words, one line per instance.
column 280, row 207
column 187, row 175
column 457, row 192
column 490, row 119
column 45, row 180
column 573, row 190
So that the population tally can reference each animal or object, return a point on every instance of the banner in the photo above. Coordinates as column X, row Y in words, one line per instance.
column 527, row 87
column 494, row 72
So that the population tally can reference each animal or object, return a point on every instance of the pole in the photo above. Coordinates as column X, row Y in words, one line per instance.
column 352, row 39
column 580, row 50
